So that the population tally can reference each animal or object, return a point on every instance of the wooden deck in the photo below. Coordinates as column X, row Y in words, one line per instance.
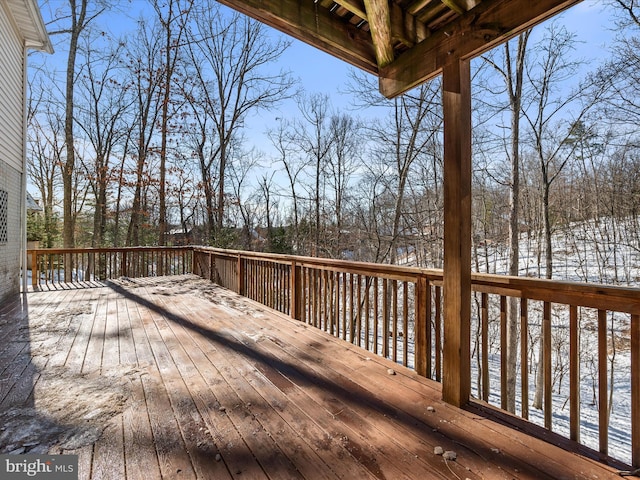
column 177, row 378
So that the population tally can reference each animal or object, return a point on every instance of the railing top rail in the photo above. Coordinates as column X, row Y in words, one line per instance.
column 396, row 271
column 606, row 297
column 55, row 251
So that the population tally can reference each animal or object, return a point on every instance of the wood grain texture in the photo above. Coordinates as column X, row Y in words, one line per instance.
column 221, row 387
column 456, row 377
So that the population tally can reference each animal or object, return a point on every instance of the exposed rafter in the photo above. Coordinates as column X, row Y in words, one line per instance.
column 312, row 24
column 403, row 42
column 470, row 34
column 354, row 6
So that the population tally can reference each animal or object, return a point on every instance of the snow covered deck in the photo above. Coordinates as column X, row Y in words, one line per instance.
column 174, row 377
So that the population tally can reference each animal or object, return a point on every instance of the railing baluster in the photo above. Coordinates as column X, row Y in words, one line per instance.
column 405, row 323
column 307, row 295
column 635, row 390
column 394, row 336
column 503, row 353
column 524, row 357
column 336, row 304
column 375, row 315
column 314, row 297
column 385, row 318
column 359, row 311
column 438, row 334
column 351, row 310
column 325, row 300
column 546, row 362
column 429, row 327
column 344, row 305
column 574, row 374
column 34, row 271
column 484, row 319
column 603, row 409
column 367, row 313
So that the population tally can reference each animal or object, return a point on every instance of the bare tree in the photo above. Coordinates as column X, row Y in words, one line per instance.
column 231, row 60
column 512, row 69
column 45, row 144
column 408, row 133
column 173, row 17
column 314, row 139
column 550, row 132
column 145, row 77
column 79, row 15
column 283, row 139
column 344, row 159
column 241, row 196
column 100, row 116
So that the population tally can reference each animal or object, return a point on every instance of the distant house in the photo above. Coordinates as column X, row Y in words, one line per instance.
column 21, row 30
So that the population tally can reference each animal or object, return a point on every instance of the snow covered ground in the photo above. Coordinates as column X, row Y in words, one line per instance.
column 603, row 252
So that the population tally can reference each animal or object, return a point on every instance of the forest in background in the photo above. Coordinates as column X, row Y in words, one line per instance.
column 144, row 141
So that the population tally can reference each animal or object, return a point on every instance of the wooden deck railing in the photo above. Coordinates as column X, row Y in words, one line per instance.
column 53, row 266
column 397, row 312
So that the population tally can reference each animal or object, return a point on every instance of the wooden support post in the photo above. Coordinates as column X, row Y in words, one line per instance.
column 34, row 270
column 456, row 81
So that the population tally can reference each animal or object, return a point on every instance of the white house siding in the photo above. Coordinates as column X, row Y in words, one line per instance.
column 11, row 153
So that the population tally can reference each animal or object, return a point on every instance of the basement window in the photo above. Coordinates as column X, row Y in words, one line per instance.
column 4, row 216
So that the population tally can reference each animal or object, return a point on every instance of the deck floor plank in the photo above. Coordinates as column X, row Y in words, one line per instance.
column 92, row 360
column 75, row 358
column 220, row 387
column 192, row 426
column 210, row 401
column 311, row 399
column 17, row 385
column 297, row 447
column 387, row 392
column 108, row 456
column 260, row 401
column 172, row 452
column 140, row 454
column 396, row 389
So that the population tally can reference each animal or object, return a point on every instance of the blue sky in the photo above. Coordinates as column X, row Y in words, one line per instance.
column 321, row 73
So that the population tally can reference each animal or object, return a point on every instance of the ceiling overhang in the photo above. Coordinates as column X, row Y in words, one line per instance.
column 403, row 42
column 29, row 24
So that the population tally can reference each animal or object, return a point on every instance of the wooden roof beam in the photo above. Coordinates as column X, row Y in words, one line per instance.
column 354, row 6
column 461, row 6
column 453, row 5
column 379, row 18
column 406, row 28
column 471, row 34
column 315, row 26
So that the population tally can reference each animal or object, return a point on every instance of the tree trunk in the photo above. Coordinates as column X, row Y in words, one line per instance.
column 515, row 100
